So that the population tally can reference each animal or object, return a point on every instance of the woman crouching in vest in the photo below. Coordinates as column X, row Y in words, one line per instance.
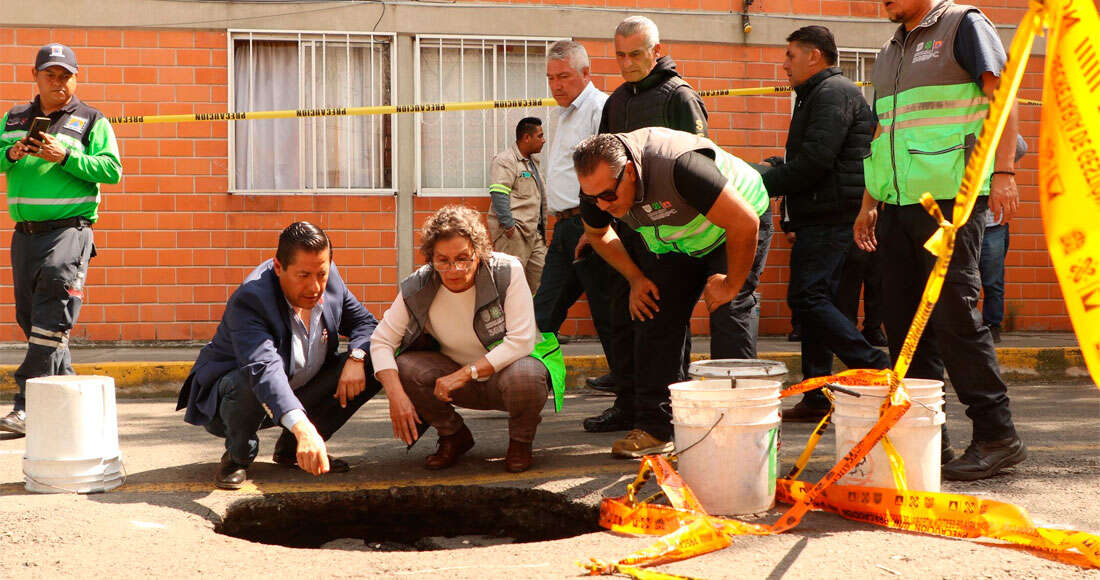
column 463, row 332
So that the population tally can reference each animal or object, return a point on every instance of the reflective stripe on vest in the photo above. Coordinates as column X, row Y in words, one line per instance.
column 931, row 128
column 699, row 236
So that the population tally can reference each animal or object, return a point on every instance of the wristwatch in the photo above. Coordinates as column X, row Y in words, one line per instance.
column 473, row 372
column 357, row 354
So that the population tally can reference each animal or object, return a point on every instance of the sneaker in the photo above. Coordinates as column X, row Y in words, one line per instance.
column 985, row 458
column 15, row 422
column 638, row 443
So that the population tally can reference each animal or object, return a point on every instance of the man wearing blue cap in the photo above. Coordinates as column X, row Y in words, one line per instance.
column 54, row 168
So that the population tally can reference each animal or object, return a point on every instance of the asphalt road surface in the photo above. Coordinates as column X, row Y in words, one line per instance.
column 161, row 522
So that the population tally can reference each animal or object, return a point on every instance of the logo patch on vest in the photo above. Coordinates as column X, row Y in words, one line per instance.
column 927, row 51
column 659, row 210
column 525, row 175
column 76, row 123
column 493, row 317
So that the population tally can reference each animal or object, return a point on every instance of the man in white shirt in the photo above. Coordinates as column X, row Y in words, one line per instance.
column 571, row 267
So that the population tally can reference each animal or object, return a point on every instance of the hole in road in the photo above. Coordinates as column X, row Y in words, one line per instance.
column 409, row 518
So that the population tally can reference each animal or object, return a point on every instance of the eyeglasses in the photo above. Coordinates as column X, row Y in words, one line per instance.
column 609, row 195
column 463, row 264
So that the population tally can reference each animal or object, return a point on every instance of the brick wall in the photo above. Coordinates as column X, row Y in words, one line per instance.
column 173, row 244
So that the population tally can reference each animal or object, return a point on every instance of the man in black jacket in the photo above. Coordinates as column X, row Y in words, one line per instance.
column 822, row 179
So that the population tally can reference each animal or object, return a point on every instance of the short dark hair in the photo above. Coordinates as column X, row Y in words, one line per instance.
column 527, row 126
column 817, row 37
column 301, row 236
column 600, row 148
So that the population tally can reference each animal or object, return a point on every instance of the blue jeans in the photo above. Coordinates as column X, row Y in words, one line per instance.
column 240, row 415
column 817, row 260
column 992, row 265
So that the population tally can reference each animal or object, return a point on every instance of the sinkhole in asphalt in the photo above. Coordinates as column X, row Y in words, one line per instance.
column 409, row 518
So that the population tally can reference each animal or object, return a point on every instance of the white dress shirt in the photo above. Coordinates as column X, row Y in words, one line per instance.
column 581, row 119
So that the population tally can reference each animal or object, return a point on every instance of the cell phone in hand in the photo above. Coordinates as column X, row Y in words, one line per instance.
column 38, row 126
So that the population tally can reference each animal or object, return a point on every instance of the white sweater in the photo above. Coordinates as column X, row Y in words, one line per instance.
column 450, row 321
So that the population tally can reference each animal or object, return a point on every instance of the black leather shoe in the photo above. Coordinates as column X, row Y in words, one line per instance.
column 231, row 475
column 612, row 419
column 803, row 413
column 985, row 458
column 795, row 335
column 334, row 465
column 946, row 455
column 875, row 336
column 605, row 383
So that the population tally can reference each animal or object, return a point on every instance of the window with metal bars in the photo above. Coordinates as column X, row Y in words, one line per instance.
column 453, row 149
column 857, row 65
column 275, row 70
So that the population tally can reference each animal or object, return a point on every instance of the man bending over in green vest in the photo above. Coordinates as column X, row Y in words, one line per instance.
column 698, row 210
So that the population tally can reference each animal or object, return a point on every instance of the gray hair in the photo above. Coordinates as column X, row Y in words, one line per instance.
column 602, row 148
column 639, row 24
column 570, row 51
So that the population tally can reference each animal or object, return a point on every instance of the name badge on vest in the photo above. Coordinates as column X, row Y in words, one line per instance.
column 659, row 210
column 76, row 123
column 493, row 317
column 927, row 51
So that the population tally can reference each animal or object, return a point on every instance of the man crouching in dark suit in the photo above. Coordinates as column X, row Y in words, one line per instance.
column 273, row 360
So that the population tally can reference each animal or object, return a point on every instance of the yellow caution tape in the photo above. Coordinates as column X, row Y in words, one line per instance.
column 1069, row 166
column 403, row 109
column 688, row 530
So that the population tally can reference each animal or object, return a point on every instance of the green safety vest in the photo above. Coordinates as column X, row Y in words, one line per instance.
column 931, row 113
column 40, row 190
column 664, row 219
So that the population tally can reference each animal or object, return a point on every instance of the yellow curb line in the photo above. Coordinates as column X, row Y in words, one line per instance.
column 136, row 379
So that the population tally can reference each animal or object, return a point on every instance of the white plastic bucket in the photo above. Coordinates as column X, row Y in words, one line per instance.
column 916, row 435
column 731, row 470
column 737, row 368
column 72, row 435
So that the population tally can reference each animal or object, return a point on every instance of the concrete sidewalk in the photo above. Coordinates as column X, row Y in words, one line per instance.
column 158, row 370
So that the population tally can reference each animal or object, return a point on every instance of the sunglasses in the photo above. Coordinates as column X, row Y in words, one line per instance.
column 609, row 195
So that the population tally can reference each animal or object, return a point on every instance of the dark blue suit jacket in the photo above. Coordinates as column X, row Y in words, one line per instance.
column 254, row 335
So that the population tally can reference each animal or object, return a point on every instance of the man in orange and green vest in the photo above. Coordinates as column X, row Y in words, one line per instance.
column 933, row 80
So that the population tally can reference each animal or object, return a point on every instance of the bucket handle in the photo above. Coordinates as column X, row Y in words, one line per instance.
column 679, row 452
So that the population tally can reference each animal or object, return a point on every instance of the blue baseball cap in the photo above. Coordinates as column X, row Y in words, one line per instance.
column 56, row 55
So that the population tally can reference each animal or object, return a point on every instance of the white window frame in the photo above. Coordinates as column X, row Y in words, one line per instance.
column 479, row 42
column 860, row 55
column 305, row 166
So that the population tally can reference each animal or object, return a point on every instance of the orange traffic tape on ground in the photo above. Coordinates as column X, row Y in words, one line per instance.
column 948, row 514
column 689, row 531
column 1069, row 167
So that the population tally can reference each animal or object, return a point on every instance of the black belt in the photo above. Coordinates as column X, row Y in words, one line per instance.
column 32, row 228
column 561, row 215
